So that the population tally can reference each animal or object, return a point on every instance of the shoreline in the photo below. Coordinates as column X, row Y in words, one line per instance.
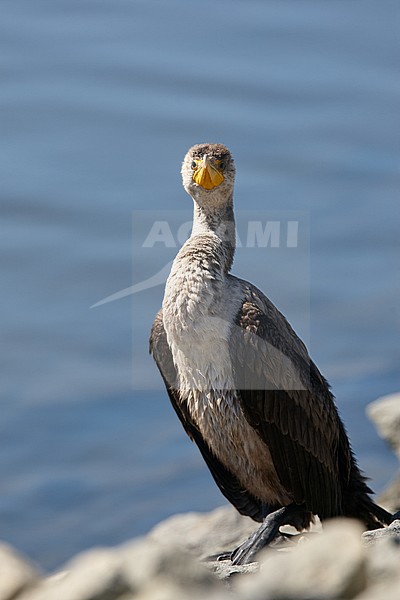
column 173, row 560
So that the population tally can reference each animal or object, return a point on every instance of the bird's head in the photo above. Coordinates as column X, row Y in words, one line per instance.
column 208, row 174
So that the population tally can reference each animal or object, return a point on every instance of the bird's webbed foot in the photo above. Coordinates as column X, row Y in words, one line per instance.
column 267, row 533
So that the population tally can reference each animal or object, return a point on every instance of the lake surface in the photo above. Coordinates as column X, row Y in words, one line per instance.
column 99, row 102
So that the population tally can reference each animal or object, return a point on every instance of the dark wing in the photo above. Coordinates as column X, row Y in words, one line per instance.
column 286, row 399
column 241, row 499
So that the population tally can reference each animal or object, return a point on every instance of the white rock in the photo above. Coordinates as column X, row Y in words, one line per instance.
column 330, row 565
column 145, row 561
column 383, row 561
column 205, row 534
column 393, row 531
column 225, row 569
column 385, row 413
column 384, row 591
column 92, row 575
column 167, row 590
column 16, row 573
column 390, row 497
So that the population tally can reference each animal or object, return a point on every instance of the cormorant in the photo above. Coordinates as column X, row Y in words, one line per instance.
column 242, row 382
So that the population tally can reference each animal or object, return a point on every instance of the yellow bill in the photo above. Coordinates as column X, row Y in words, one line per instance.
column 207, row 175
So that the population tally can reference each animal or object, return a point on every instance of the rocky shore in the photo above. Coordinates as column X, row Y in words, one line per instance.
column 173, row 561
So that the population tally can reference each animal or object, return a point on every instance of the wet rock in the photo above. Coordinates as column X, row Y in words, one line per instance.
column 16, row 573
column 326, row 566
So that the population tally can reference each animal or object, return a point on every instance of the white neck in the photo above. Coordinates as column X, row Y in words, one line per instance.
column 217, row 220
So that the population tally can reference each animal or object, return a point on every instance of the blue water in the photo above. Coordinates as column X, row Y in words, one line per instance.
column 98, row 103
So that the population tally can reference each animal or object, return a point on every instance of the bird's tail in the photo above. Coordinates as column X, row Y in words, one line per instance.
column 359, row 505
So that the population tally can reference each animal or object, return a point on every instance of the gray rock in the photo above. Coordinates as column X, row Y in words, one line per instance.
column 145, row 562
column 383, row 560
column 389, row 590
column 167, row 590
column 205, row 534
column 327, row 566
column 92, row 575
column 140, row 569
column 393, row 531
column 385, row 413
column 225, row 569
column 390, row 497
column 339, row 563
column 383, row 570
column 16, row 573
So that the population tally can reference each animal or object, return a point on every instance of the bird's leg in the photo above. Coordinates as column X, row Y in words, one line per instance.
column 265, row 534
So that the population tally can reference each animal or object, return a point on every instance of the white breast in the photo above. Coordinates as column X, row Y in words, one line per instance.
column 199, row 310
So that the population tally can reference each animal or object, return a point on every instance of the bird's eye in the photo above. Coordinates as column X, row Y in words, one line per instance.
column 194, row 164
